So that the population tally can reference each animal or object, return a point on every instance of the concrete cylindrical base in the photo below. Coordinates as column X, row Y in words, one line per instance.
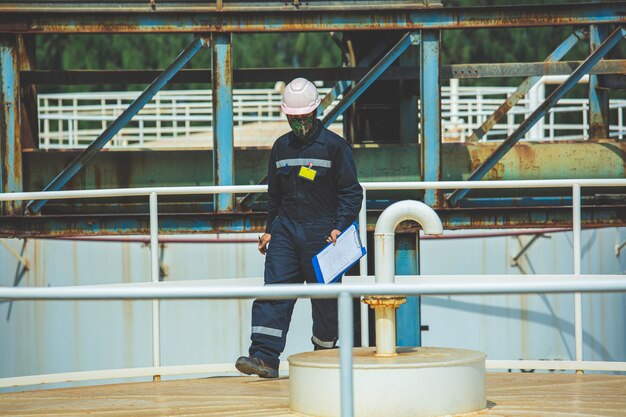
column 418, row 382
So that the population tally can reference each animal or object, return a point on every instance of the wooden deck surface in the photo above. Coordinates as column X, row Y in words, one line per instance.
column 509, row 394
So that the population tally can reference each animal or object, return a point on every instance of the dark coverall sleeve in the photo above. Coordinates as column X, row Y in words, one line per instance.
column 273, row 191
column 349, row 191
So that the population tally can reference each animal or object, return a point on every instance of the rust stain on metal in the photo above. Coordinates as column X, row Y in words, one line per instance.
column 527, row 157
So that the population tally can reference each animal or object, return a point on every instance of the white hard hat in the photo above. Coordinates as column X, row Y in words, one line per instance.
column 300, row 97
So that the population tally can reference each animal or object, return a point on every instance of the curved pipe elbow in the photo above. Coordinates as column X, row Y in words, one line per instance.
column 398, row 212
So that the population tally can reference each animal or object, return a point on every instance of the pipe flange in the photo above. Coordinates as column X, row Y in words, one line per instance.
column 384, row 301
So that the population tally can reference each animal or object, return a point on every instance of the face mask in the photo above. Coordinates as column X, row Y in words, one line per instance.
column 302, row 126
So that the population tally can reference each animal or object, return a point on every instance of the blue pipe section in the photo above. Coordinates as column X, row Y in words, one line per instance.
column 372, row 75
column 77, row 164
column 540, row 112
column 408, row 323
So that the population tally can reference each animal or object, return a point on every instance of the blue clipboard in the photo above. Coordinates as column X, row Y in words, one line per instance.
column 356, row 247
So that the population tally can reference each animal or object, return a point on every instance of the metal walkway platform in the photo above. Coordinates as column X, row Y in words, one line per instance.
column 509, row 394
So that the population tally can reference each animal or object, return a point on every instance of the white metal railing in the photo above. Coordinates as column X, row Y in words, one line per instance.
column 420, row 285
column 464, row 109
column 74, row 120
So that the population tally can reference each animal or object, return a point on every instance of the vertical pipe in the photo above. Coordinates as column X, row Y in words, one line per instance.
column 222, row 80
column 431, row 113
column 10, row 121
column 407, row 316
column 598, row 97
column 365, row 329
column 345, row 354
column 385, row 330
column 154, row 269
column 576, row 223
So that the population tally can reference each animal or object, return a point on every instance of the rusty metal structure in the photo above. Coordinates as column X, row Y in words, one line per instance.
column 395, row 43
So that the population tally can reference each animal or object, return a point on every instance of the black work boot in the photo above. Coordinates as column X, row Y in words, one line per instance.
column 250, row 365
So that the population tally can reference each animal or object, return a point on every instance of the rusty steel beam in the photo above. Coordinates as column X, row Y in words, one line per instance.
column 208, row 6
column 13, row 20
column 528, row 69
column 452, row 219
column 461, row 71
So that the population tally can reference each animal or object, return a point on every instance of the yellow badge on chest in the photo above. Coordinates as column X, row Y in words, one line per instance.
column 307, row 173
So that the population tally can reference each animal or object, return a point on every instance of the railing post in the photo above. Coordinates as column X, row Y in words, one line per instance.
column 365, row 329
column 46, row 125
column 576, row 224
column 154, row 268
column 345, row 354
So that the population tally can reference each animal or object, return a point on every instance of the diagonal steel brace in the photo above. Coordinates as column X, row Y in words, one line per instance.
column 81, row 160
column 372, row 75
column 524, row 87
column 411, row 38
column 540, row 112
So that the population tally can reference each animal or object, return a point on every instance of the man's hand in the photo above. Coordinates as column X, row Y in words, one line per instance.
column 263, row 241
column 333, row 236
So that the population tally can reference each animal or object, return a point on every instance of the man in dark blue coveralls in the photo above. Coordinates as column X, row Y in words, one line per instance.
column 313, row 195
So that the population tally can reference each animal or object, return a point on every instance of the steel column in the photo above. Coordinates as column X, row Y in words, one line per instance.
column 134, row 108
column 222, row 82
column 408, row 323
column 10, row 122
column 371, row 76
column 524, row 87
column 540, row 112
column 430, row 115
column 598, row 97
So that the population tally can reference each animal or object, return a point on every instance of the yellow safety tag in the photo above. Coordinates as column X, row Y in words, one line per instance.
column 307, row 173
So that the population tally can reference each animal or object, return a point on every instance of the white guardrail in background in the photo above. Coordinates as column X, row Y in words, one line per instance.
column 418, row 285
column 74, row 120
